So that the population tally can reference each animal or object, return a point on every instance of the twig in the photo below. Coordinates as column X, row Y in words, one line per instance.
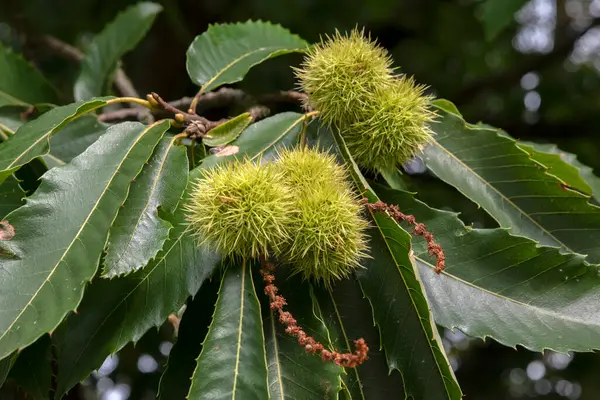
column 290, row 96
column 182, row 102
column 166, row 106
column 224, row 96
column 419, row 229
column 196, row 126
column 277, row 302
column 124, row 84
column 173, row 107
column 233, row 95
column 122, row 81
column 258, row 112
column 194, row 103
column 221, row 96
column 62, row 48
column 174, row 320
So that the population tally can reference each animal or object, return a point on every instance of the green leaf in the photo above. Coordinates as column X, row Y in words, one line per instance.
column 492, row 277
column 32, row 139
column 293, row 373
column 175, row 381
column 574, row 173
column 262, row 138
column 32, row 370
column 76, row 137
column 225, row 53
column 11, row 196
column 20, row 83
column 138, row 233
column 497, row 15
column 73, row 140
column 6, row 365
column 348, row 315
column 390, row 282
column 62, row 230
column 107, row 48
column 228, row 131
column 491, row 170
column 447, row 106
column 232, row 362
column 118, row 311
column 121, row 310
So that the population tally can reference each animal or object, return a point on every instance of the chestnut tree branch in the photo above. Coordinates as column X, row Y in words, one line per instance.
column 121, row 82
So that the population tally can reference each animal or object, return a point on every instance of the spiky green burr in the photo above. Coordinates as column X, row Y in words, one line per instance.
column 393, row 129
column 384, row 118
column 328, row 231
column 341, row 73
column 241, row 208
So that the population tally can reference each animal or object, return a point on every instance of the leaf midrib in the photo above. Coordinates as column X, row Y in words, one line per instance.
column 237, row 60
column 85, row 222
column 339, row 318
column 175, row 243
column 12, row 132
column 236, row 370
column 276, row 353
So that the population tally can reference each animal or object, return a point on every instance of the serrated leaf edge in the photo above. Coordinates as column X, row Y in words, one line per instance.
column 500, row 194
column 53, row 270
column 248, row 22
column 468, row 230
column 239, row 339
column 154, row 184
column 138, row 336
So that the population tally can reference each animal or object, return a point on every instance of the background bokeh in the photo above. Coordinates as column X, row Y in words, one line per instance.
column 538, row 78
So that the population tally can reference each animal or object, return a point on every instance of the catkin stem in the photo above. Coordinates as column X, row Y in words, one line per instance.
column 419, row 229
column 310, row 344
